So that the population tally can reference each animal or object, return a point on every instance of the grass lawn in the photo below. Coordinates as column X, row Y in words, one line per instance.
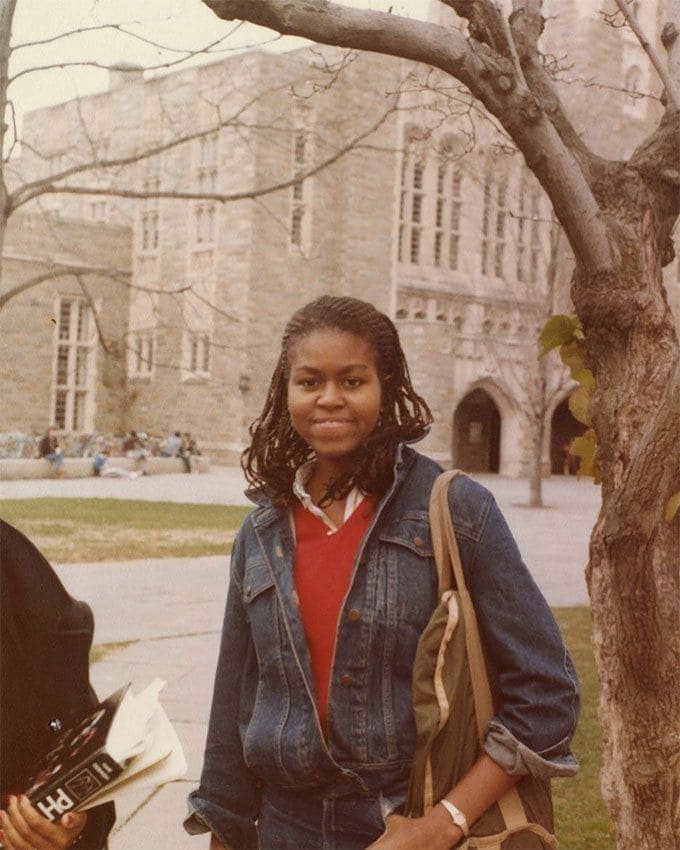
column 581, row 820
column 81, row 530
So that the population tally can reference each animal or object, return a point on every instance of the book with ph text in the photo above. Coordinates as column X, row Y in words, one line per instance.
column 127, row 742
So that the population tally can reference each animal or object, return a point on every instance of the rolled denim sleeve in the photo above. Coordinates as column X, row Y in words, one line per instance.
column 537, row 689
column 227, row 800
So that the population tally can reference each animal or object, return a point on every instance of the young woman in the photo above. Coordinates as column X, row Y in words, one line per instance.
column 311, row 733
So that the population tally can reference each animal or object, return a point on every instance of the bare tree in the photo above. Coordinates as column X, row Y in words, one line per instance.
column 618, row 218
column 536, row 383
column 88, row 167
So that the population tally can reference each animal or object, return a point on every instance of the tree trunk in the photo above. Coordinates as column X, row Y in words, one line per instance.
column 6, row 16
column 538, row 407
column 634, row 552
column 536, row 471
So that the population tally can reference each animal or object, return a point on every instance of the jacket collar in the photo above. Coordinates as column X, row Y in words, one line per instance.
column 404, row 458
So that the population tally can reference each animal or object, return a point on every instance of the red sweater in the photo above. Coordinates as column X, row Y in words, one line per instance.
column 323, row 570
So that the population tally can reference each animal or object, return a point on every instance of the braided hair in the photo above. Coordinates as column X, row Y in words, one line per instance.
column 277, row 451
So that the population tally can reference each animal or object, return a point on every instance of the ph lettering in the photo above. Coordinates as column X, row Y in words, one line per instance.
column 54, row 806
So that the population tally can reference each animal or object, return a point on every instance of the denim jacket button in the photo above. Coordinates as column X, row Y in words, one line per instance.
column 353, row 615
column 346, row 680
column 418, row 541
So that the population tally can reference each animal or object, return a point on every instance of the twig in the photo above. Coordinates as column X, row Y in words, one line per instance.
column 655, row 59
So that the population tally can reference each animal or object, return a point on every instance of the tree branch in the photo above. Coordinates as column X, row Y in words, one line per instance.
column 672, row 94
column 118, row 28
column 484, row 21
column 95, row 314
column 28, row 191
column 91, row 63
column 526, row 24
column 220, row 197
column 489, row 76
column 6, row 16
column 57, row 271
column 15, row 132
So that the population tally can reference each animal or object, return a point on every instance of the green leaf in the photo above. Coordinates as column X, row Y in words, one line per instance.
column 584, row 377
column 574, row 355
column 556, row 331
column 672, row 507
column 579, row 405
column 584, row 448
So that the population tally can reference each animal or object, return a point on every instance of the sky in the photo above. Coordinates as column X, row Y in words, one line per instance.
column 178, row 24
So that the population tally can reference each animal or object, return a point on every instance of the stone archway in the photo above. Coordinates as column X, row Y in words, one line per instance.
column 477, row 433
column 563, row 429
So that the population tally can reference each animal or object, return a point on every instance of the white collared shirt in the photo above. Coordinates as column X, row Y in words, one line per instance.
column 302, row 476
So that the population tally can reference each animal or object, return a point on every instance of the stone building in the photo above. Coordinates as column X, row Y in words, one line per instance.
column 423, row 210
column 61, row 355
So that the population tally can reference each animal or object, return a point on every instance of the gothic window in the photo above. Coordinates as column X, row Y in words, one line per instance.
column 300, row 192
column 98, row 211
column 528, row 254
column 149, row 218
column 205, row 211
column 535, row 238
column 73, row 368
column 412, row 201
column 430, row 204
column 447, row 215
column 141, row 353
column 494, row 225
column 197, row 357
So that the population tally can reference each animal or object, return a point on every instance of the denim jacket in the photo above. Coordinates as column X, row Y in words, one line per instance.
column 264, row 728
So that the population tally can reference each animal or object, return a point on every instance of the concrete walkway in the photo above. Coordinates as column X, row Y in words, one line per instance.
column 170, row 610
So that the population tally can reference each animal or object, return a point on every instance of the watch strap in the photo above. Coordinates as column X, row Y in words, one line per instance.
column 456, row 816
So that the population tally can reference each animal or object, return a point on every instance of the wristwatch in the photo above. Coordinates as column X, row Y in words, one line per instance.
column 457, row 817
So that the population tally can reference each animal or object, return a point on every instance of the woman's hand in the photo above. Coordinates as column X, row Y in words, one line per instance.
column 434, row 831
column 24, row 828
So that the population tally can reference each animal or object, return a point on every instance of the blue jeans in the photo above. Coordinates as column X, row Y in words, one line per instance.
column 294, row 821
column 56, row 459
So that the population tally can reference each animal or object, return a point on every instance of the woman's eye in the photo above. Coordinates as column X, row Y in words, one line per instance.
column 307, row 383
column 353, row 383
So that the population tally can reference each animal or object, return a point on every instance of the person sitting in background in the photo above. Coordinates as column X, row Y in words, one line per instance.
column 133, row 446
column 102, row 468
column 171, row 446
column 45, row 638
column 48, row 447
column 188, row 449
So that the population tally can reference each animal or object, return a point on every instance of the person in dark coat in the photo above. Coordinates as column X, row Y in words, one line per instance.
column 45, row 638
column 48, row 447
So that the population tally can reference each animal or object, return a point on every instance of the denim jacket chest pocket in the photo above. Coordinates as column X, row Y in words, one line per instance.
column 262, row 610
column 407, row 581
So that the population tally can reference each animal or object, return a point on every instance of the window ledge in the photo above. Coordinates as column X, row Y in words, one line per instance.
column 202, row 378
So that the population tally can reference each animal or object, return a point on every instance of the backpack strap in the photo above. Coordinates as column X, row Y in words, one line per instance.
column 447, row 558
column 449, row 565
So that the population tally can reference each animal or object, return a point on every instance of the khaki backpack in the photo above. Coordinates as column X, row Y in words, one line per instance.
column 453, row 704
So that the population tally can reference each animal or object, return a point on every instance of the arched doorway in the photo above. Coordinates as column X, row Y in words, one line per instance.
column 563, row 429
column 477, row 433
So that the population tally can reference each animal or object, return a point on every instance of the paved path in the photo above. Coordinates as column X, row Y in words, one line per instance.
column 171, row 610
